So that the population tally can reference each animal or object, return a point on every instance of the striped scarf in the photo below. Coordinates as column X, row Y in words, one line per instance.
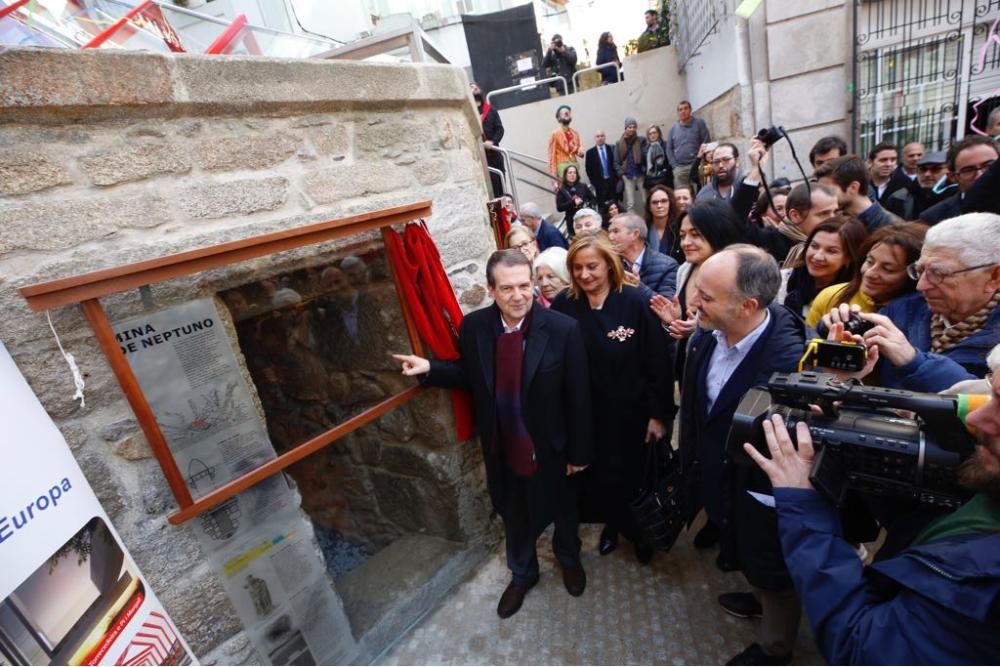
column 944, row 337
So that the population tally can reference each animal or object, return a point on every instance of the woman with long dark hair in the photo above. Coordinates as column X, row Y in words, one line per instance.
column 661, row 214
column 573, row 195
column 881, row 279
column 631, row 383
column 705, row 229
column 832, row 255
column 607, row 52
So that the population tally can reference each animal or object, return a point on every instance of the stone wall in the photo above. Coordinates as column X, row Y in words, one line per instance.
column 109, row 158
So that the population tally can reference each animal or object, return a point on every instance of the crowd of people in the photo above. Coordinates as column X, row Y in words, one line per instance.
column 667, row 284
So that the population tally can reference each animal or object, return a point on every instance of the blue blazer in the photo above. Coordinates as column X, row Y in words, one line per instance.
column 933, row 604
column 935, row 372
column 548, row 236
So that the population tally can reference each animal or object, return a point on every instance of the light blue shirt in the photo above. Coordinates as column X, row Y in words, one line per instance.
column 726, row 359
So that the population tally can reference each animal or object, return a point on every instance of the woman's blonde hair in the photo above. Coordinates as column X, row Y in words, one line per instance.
column 518, row 229
column 600, row 243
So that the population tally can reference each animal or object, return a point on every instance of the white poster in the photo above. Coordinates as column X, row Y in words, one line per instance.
column 70, row 594
column 258, row 542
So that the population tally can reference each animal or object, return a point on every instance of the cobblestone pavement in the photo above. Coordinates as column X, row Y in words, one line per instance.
column 663, row 613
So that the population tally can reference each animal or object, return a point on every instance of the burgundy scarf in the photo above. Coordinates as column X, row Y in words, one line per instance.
column 511, row 432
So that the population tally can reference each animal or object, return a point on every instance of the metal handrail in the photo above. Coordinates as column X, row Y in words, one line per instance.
column 525, row 155
column 525, row 86
column 543, row 172
column 535, row 185
column 503, row 179
column 576, row 75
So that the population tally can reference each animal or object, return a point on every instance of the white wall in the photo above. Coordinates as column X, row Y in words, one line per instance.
column 650, row 92
column 713, row 70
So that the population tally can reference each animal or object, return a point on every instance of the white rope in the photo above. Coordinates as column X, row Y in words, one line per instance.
column 74, row 369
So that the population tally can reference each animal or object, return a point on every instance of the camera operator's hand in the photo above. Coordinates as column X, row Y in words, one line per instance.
column 787, row 468
column 890, row 341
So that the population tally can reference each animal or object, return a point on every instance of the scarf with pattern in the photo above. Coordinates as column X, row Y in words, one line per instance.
column 796, row 254
column 944, row 337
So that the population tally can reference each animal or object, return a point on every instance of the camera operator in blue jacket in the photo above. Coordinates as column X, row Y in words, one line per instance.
column 937, row 602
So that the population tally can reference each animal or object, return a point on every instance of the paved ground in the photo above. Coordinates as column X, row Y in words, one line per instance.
column 664, row 613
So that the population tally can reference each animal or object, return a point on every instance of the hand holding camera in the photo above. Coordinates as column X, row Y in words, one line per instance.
column 890, row 341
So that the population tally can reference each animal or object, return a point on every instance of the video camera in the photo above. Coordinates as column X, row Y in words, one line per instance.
column 860, row 440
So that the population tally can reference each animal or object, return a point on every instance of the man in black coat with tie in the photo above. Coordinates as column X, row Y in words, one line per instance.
column 743, row 337
column 601, row 166
column 527, row 370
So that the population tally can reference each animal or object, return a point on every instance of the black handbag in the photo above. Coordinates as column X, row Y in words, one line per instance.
column 658, row 509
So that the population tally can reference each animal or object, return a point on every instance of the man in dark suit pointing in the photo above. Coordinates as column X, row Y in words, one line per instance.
column 527, row 370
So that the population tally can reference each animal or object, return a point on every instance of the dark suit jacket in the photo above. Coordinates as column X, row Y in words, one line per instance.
column 548, row 236
column 605, row 188
column 657, row 274
column 944, row 210
column 718, row 484
column 555, row 391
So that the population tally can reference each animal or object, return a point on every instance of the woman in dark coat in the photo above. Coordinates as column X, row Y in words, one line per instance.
column 662, row 222
column 607, row 52
column 573, row 195
column 658, row 169
column 630, row 366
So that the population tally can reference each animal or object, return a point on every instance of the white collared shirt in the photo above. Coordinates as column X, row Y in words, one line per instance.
column 513, row 329
column 637, row 264
column 725, row 359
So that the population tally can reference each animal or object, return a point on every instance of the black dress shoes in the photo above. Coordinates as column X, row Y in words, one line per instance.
column 643, row 552
column 575, row 579
column 707, row 537
column 754, row 655
column 741, row 605
column 512, row 598
column 609, row 541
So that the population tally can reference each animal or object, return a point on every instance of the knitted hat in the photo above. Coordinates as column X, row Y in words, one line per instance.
column 631, row 121
column 561, row 107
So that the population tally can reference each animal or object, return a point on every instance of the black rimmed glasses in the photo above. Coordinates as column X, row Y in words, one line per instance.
column 936, row 276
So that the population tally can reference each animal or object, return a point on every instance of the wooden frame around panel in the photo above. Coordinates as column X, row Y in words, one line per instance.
column 86, row 290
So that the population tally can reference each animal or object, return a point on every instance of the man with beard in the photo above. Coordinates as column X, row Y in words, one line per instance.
column 968, row 160
column 742, row 338
column 492, row 134
column 908, row 203
column 630, row 163
column 937, row 602
column 726, row 174
column 565, row 145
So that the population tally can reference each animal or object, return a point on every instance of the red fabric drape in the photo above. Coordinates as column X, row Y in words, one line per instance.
column 504, row 225
column 431, row 302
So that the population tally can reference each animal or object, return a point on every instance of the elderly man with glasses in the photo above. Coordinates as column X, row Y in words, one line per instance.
column 942, row 334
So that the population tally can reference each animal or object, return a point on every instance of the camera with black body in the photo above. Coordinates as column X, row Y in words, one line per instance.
column 771, row 135
column 858, row 326
column 861, row 441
